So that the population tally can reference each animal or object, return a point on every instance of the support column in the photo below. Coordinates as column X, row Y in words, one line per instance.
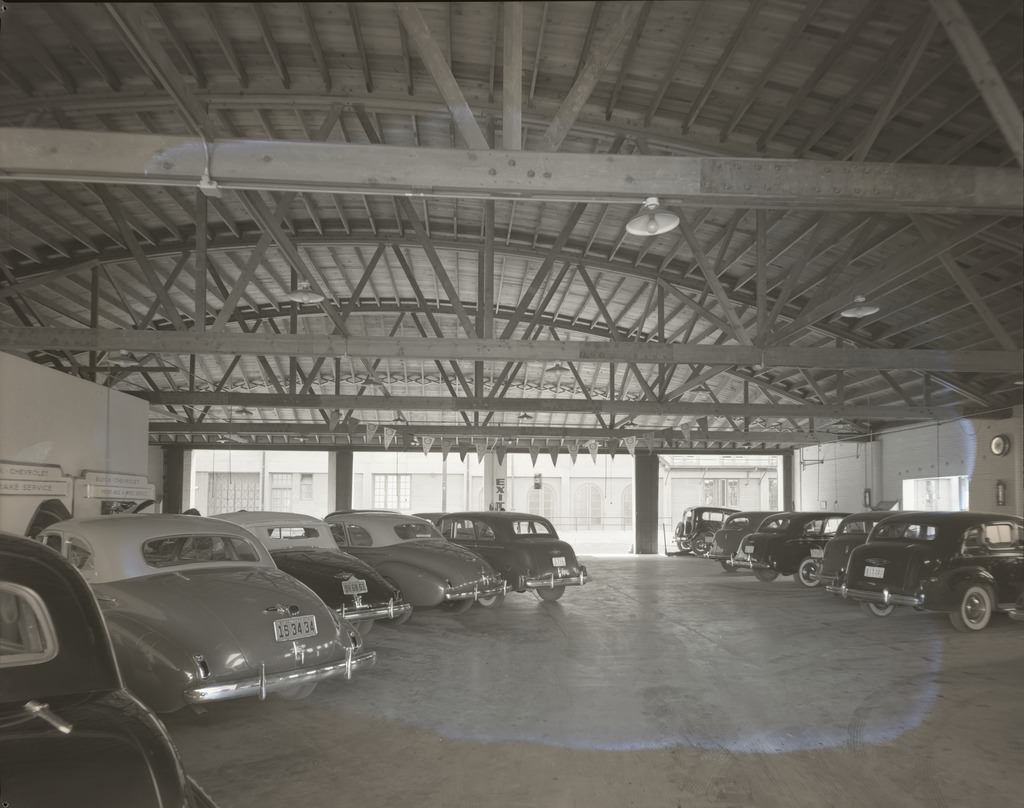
column 174, row 478
column 788, row 482
column 646, row 503
column 495, row 483
column 342, row 480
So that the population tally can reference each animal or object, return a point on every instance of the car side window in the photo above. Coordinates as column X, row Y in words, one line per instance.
column 831, row 525
column 79, row 553
column 484, row 532
column 27, row 636
column 461, row 530
column 813, row 528
column 52, row 540
column 359, row 536
column 1000, row 535
column 338, row 532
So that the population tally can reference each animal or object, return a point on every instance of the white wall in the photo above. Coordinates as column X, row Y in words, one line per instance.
column 833, row 476
column 50, row 417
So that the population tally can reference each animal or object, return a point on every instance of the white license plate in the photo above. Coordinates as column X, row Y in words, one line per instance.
column 353, row 586
column 294, row 628
column 748, row 549
column 817, row 552
column 874, row 572
column 558, row 561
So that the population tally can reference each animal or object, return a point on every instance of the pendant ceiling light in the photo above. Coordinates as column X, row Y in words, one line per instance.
column 860, row 308
column 558, row 367
column 525, row 416
column 303, row 294
column 653, row 220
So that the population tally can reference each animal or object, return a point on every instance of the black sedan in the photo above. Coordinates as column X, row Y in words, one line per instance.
column 968, row 565
column 70, row 734
column 852, row 532
column 732, row 533
column 783, row 545
column 523, row 547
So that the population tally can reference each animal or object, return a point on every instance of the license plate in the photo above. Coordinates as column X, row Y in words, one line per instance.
column 293, row 628
column 817, row 552
column 558, row 561
column 748, row 549
column 874, row 572
column 353, row 586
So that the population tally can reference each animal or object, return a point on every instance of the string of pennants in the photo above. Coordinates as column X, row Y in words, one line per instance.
column 483, row 447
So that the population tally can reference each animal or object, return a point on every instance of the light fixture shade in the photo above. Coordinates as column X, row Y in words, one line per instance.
column 525, row 416
column 860, row 308
column 303, row 294
column 653, row 220
column 558, row 367
column 243, row 411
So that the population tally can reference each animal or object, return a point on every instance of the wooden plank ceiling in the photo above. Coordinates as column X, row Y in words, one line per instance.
column 443, row 312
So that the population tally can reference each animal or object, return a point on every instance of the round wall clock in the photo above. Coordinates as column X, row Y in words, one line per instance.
column 1000, row 445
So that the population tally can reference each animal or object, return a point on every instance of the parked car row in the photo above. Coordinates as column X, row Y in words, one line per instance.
column 968, row 565
column 198, row 609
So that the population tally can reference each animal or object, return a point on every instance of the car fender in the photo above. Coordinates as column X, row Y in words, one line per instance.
column 970, row 575
column 154, row 666
column 419, row 586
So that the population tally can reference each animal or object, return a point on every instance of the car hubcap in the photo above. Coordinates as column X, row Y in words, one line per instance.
column 974, row 608
column 810, row 572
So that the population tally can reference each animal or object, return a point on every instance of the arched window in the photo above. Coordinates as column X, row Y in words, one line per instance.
column 587, row 511
column 626, row 505
column 543, row 501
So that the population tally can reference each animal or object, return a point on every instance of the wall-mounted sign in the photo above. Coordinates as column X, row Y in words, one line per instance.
column 115, row 479
column 29, row 471
column 34, row 488
column 120, row 492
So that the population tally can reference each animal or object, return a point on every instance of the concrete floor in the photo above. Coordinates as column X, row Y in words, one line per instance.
column 664, row 682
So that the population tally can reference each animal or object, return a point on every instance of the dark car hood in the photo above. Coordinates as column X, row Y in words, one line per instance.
column 440, row 557
column 116, row 754
column 221, row 614
column 324, row 570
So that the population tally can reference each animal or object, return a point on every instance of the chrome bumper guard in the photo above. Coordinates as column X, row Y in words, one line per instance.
column 263, row 683
column 550, row 580
column 885, row 597
column 389, row 612
column 477, row 592
column 1016, row 614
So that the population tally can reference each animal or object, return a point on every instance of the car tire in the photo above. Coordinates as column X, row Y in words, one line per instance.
column 975, row 605
column 702, row 545
column 492, row 601
column 297, row 692
column 878, row 609
column 807, row 573
column 765, row 576
column 728, row 566
column 364, row 627
column 458, row 606
column 549, row 593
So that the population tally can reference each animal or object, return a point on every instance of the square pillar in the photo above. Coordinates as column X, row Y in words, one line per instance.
column 174, row 478
column 341, row 472
column 645, row 501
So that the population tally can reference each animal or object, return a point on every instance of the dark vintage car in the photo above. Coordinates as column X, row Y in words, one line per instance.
column 409, row 551
column 852, row 532
column 70, row 734
column 522, row 547
column 734, row 529
column 783, row 544
column 198, row 612
column 696, row 530
column 304, row 547
column 969, row 565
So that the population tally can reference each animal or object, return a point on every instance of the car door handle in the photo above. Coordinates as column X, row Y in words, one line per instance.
column 42, row 711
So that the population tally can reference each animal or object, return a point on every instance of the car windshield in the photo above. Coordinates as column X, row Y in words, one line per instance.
column 904, row 531
column 533, row 528
column 176, row 551
column 409, row 531
column 26, row 631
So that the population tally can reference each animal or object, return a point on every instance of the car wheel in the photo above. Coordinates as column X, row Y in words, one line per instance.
column 550, row 593
column 458, row 606
column 878, row 609
column 685, row 546
column 728, row 566
column 765, row 576
column 701, row 545
column 975, row 608
column 364, row 627
column 296, row 692
column 807, row 572
column 492, row 601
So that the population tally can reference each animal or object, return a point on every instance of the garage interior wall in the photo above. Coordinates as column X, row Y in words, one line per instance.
column 51, row 417
column 838, row 473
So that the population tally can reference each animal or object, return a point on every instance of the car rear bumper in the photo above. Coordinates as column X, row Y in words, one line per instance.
column 1016, row 614
column 264, row 683
column 549, row 580
column 750, row 564
column 885, row 597
column 479, row 590
column 388, row 611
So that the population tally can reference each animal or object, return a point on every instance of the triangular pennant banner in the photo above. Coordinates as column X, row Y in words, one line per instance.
column 371, row 430
column 333, row 417
column 574, row 450
column 428, row 444
column 445, row 448
column 534, row 454
column 481, row 449
column 462, row 453
column 592, row 448
column 389, row 435
column 686, row 432
column 613, row 445
column 500, row 452
column 554, row 456
column 649, row 440
column 631, row 445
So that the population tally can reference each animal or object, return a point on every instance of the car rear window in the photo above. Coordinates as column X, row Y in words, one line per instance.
column 176, row 551
column 27, row 636
column 533, row 528
column 775, row 525
column 293, row 533
column 409, row 531
column 856, row 526
column 737, row 521
column 1002, row 534
column 904, row 531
